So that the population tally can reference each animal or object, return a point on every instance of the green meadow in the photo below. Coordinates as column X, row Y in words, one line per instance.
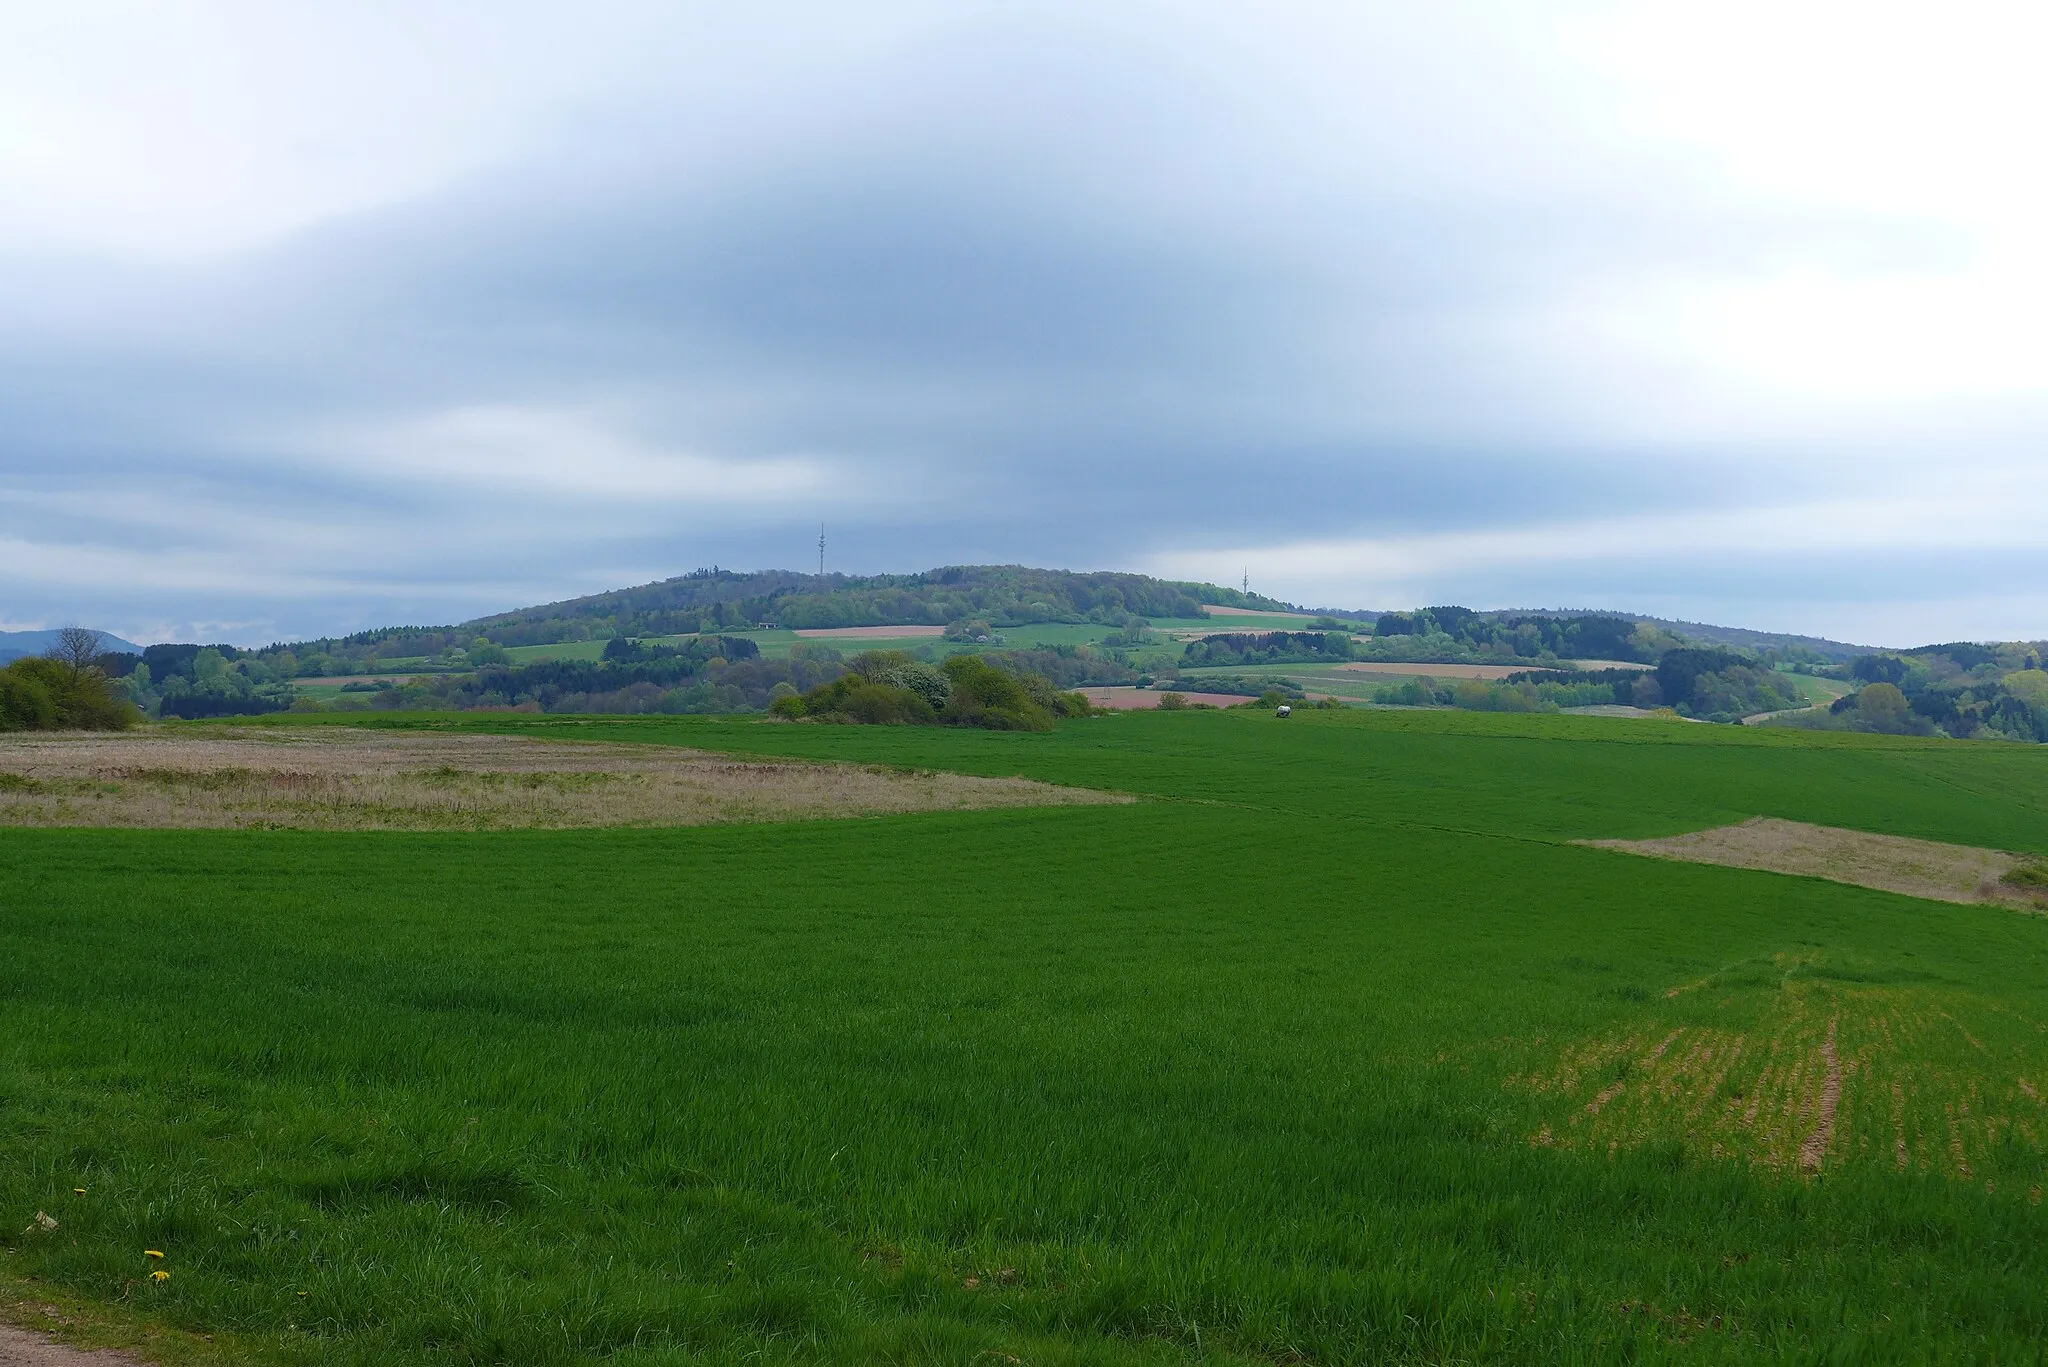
column 1331, row 1049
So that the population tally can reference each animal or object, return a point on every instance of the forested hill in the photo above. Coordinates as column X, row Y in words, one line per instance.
column 1002, row 595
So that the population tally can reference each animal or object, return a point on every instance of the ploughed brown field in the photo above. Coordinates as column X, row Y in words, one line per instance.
column 335, row 778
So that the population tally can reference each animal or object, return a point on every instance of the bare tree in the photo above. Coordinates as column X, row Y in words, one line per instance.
column 78, row 648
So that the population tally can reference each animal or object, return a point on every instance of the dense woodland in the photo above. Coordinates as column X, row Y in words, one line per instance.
column 1962, row 689
column 1002, row 595
column 194, row 681
column 1268, row 647
column 1460, row 635
column 1706, row 682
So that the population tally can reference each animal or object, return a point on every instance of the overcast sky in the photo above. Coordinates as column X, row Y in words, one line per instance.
column 319, row 316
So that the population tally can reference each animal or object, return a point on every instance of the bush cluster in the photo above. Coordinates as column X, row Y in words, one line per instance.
column 889, row 688
column 47, row 695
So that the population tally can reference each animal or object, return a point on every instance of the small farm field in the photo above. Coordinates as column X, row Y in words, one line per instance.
column 1333, row 1047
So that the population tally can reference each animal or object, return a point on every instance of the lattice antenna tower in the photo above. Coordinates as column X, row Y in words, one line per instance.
column 821, row 550
column 1246, row 587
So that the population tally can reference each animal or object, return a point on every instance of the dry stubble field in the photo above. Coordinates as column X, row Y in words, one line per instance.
column 336, row 778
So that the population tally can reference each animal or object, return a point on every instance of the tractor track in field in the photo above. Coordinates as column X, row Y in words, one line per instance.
column 1815, row 1149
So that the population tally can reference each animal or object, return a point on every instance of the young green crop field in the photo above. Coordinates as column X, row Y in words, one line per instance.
column 1334, row 1049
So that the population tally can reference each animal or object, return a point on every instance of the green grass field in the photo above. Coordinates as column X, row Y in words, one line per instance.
column 1334, row 1050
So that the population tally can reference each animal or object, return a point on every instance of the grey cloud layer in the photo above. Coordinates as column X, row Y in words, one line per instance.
column 1028, row 292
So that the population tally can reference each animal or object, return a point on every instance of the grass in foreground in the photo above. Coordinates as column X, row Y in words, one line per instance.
column 1340, row 1054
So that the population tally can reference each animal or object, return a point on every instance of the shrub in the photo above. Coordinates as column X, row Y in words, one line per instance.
column 985, row 696
column 46, row 695
column 886, row 705
column 927, row 681
column 1047, row 695
column 856, row 698
column 1173, row 702
column 25, row 704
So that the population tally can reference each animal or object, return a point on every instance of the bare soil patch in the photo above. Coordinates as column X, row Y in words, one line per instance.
column 1891, row 863
column 336, row 778
column 1215, row 611
column 883, row 633
column 20, row 1348
column 1815, row 1150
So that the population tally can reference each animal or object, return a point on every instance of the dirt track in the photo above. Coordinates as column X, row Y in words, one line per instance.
column 19, row 1348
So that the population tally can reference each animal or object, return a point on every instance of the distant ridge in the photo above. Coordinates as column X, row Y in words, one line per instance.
column 718, row 599
column 1746, row 639
column 15, row 644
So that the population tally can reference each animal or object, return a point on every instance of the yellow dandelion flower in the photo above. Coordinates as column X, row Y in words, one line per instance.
column 152, row 1253
column 159, row 1276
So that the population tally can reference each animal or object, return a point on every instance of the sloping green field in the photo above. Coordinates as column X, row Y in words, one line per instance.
column 1333, row 1051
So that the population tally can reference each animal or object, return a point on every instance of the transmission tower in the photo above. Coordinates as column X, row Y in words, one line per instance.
column 821, row 550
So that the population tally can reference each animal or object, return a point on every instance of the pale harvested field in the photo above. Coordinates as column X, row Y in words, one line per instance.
column 1140, row 699
column 335, row 778
column 877, row 633
column 1215, row 611
column 1890, row 863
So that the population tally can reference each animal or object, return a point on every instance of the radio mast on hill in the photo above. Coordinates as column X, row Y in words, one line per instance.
column 821, row 550
column 1247, row 585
